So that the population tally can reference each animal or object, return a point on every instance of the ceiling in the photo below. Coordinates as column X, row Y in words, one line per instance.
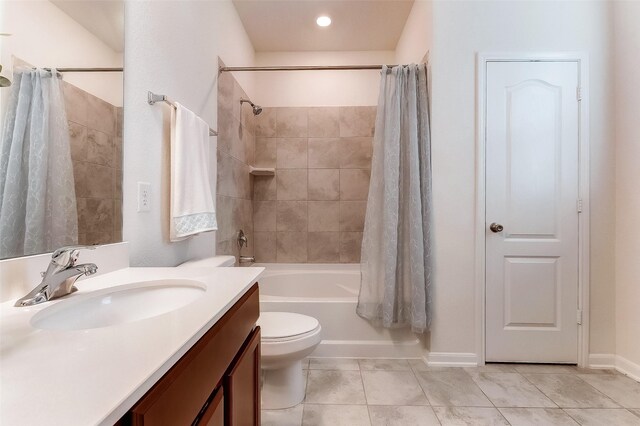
column 290, row 25
column 103, row 18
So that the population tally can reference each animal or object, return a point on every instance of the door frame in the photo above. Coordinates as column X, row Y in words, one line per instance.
column 582, row 59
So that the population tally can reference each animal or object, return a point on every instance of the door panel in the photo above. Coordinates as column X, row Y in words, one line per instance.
column 532, row 190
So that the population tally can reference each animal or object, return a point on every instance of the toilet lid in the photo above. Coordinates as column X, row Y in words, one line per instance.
column 278, row 325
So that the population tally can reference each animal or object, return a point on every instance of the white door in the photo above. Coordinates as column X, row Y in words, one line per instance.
column 532, row 121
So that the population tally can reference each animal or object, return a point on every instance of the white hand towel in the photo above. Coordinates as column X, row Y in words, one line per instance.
column 192, row 207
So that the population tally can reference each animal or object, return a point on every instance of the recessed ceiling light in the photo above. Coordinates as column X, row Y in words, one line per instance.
column 323, row 21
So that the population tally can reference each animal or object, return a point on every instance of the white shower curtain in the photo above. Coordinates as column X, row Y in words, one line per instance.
column 396, row 246
column 37, row 193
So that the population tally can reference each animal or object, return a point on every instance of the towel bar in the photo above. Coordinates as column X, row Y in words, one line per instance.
column 152, row 98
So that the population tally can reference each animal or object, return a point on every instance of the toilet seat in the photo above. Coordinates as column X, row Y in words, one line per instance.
column 286, row 326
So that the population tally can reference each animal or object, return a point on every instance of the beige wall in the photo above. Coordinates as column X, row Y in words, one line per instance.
column 319, row 88
column 236, row 152
column 313, row 209
column 627, row 218
column 95, row 131
column 171, row 48
column 45, row 36
column 461, row 29
column 417, row 35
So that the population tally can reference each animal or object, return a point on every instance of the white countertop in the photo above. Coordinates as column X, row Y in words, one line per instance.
column 95, row 376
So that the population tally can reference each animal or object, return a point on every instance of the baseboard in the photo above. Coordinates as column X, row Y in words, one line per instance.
column 616, row 362
column 367, row 349
column 451, row 359
column 627, row 367
column 602, row 361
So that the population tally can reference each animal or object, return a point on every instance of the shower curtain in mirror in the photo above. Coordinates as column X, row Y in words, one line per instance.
column 396, row 246
column 37, row 194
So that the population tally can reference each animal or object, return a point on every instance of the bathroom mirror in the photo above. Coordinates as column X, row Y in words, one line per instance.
column 61, row 140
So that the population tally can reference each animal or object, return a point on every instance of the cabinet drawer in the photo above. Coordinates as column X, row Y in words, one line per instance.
column 179, row 396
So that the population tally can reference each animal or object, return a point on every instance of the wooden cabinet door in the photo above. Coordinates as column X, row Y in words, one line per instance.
column 214, row 414
column 242, row 385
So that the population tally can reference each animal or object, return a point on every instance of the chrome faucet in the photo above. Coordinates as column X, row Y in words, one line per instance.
column 243, row 241
column 60, row 276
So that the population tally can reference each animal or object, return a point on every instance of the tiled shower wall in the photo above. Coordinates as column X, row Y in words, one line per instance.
column 236, row 150
column 313, row 209
column 95, row 130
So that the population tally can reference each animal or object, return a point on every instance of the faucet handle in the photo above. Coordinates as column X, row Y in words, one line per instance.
column 67, row 256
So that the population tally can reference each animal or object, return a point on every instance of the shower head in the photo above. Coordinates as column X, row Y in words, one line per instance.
column 257, row 109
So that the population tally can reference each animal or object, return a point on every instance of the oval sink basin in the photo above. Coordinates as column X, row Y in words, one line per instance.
column 119, row 305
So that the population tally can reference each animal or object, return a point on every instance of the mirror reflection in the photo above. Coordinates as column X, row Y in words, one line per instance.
column 61, row 111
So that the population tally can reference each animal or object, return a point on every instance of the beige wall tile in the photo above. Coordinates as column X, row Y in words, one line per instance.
column 226, row 83
column 264, row 215
column 100, row 148
column 225, row 183
column 92, row 180
column 266, row 123
column 75, row 101
column 324, row 247
column 95, row 215
column 237, row 147
column 324, row 216
column 264, row 187
column 291, row 153
column 324, row 184
column 241, row 179
column 119, row 121
column 117, row 219
column 118, row 159
column 249, row 141
column 265, row 152
column 94, row 238
column 324, row 153
column 265, row 246
column 352, row 215
column 224, row 216
column 245, row 208
column 117, row 184
column 350, row 246
column 357, row 121
column 355, row 153
column 354, row 184
column 291, row 216
column 238, row 93
column 291, row 246
column 291, row 122
column 248, row 120
column 324, row 122
column 292, row 184
column 78, row 141
column 228, row 130
column 101, row 115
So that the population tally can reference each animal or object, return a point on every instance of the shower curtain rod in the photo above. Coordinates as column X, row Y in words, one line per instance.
column 307, row 68
column 86, row 69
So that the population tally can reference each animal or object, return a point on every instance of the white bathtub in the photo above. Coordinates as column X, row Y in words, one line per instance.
column 329, row 292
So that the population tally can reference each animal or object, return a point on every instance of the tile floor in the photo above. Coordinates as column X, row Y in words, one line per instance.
column 374, row 392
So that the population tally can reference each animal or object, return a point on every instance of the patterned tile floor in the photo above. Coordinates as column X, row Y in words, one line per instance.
column 409, row 393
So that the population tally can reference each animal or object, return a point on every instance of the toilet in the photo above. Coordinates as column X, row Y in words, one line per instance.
column 286, row 339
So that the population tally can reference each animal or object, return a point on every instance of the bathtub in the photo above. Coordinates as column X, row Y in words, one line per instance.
column 329, row 292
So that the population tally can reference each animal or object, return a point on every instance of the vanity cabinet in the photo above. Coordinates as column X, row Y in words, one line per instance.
column 216, row 383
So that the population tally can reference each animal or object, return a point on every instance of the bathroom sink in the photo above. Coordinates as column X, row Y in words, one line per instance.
column 119, row 305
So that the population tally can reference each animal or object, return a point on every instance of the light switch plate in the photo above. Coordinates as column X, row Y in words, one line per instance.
column 144, row 196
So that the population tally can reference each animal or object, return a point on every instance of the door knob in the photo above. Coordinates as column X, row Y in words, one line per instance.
column 496, row 227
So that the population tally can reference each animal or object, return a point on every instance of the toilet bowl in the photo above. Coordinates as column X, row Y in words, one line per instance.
column 286, row 339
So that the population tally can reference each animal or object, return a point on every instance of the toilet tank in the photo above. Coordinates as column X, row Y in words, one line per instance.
column 211, row 262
